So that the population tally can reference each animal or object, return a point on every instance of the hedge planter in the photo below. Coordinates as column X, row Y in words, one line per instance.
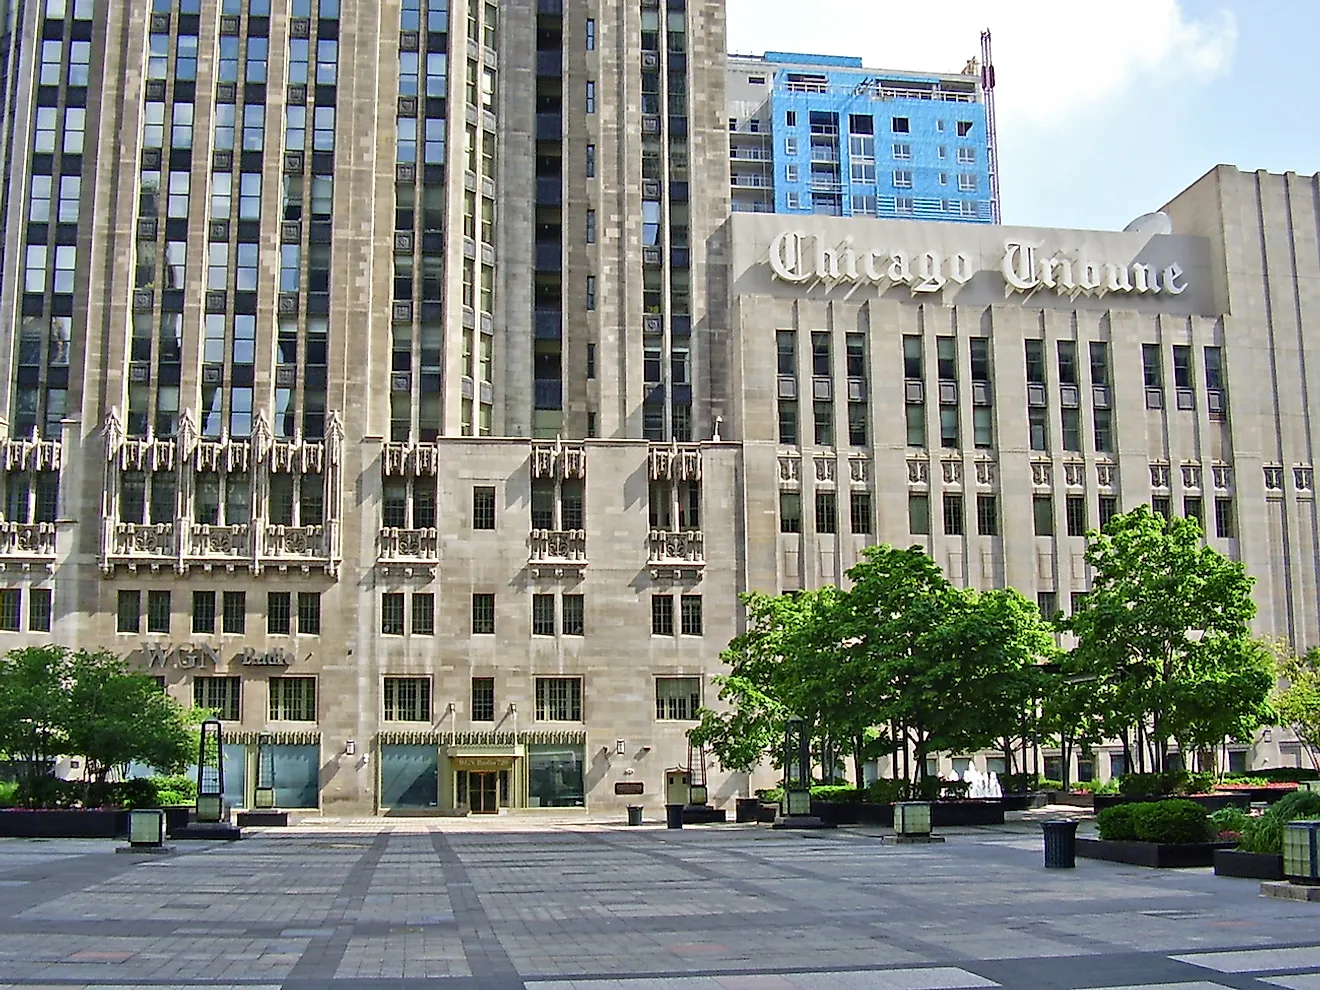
column 1084, row 799
column 1257, row 794
column 1252, row 866
column 1210, row 802
column 1153, row 854
column 65, row 823
column 1025, row 802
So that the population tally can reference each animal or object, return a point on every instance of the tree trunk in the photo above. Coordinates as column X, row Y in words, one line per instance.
column 857, row 761
column 1127, row 749
column 1065, row 748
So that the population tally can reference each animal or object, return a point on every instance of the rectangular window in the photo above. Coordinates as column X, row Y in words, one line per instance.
column 677, row 698
column 234, row 612
column 690, row 608
column 39, row 609
column 309, row 613
column 919, row 515
column 1042, row 512
column 203, row 612
column 915, row 420
column 483, row 699
column 279, row 606
column 219, row 695
column 1160, row 506
column 1104, row 431
column 823, row 417
column 591, row 96
column 391, row 613
column 423, row 614
column 559, row 699
column 1214, row 369
column 483, row 614
column 1038, row 427
column 1225, row 527
column 857, row 431
column 483, row 507
column 573, row 615
column 903, row 178
column 827, row 513
column 1150, row 365
column 1108, row 509
column 788, row 422
column 863, row 518
column 11, row 610
column 543, row 615
column 983, row 427
column 900, row 125
column 953, row 514
column 1192, row 509
column 949, row 426
column 662, row 615
column 946, row 358
column 293, row 699
column 1035, row 362
column 407, row 699
column 1067, row 362
column 967, row 182
column 987, row 515
column 790, row 512
column 1072, row 428
column 1048, row 603
column 129, row 611
column 1182, row 366
column 1075, row 510
column 980, row 354
column 912, row 358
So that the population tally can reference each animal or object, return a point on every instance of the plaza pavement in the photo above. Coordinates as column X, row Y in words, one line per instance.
column 576, row 904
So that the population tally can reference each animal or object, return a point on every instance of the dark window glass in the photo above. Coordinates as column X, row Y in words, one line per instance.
column 1068, row 362
column 788, row 422
column 483, row 614
column 987, row 515
column 691, row 615
column 1108, row 509
column 1150, row 365
column 39, row 609
column 790, row 512
column 483, row 699
column 233, row 606
column 980, row 349
column 820, row 353
column 129, row 611
column 423, row 614
column 912, row 357
column 1075, row 509
column 1036, row 362
column 309, row 613
column 203, row 612
column 483, row 508
column 919, row 515
column 278, row 617
column 1225, row 528
column 953, row 514
column 662, row 615
column 543, row 615
column 1042, row 511
column 863, row 519
column 391, row 613
column 574, row 619
column 827, row 513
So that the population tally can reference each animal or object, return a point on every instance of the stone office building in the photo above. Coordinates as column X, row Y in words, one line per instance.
column 391, row 379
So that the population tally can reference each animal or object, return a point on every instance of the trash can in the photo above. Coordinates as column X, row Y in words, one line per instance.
column 634, row 814
column 673, row 816
column 1060, row 845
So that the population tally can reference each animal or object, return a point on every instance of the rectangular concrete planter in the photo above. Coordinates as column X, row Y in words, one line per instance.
column 1083, row 800
column 1252, row 866
column 64, row 823
column 1152, row 854
column 973, row 811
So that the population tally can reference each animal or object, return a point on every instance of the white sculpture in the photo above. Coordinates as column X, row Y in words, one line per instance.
column 993, row 789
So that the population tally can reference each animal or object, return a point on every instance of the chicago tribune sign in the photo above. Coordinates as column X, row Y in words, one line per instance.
column 200, row 656
column 798, row 258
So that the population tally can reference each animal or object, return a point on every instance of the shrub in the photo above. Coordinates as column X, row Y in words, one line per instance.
column 885, row 791
column 8, row 794
column 1265, row 834
column 1230, row 821
column 771, row 795
column 834, row 793
column 1019, row 783
column 1284, row 774
column 1109, row 786
column 1118, row 824
column 175, row 790
column 1174, row 821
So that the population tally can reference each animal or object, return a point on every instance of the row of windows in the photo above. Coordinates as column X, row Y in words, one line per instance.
column 281, row 617
column 563, row 615
column 38, row 612
column 408, row 699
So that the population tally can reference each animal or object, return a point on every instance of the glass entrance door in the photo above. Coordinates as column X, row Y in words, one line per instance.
column 483, row 792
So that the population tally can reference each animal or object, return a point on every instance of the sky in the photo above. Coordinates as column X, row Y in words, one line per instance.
column 1106, row 108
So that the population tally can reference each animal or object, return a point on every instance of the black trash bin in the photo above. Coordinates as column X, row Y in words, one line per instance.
column 1060, row 845
column 634, row 814
column 674, row 816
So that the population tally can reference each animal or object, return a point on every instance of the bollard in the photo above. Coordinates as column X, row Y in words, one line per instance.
column 1060, row 845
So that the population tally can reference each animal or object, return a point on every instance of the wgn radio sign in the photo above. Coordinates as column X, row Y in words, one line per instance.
column 203, row 656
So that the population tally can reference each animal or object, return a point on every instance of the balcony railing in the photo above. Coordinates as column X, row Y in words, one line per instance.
column 144, row 541
column 409, row 545
column 294, row 543
column 27, row 539
column 559, row 547
column 677, row 549
column 232, row 542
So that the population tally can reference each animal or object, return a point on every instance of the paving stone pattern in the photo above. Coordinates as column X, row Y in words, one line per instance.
column 561, row 904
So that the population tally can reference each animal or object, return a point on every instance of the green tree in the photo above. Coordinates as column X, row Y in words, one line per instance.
column 1297, row 702
column 1072, row 709
column 117, row 717
column 951, row 667
column 1164, row 625
column 34, row 710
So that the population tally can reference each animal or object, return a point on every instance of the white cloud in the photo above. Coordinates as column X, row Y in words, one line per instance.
column 1054, row 59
